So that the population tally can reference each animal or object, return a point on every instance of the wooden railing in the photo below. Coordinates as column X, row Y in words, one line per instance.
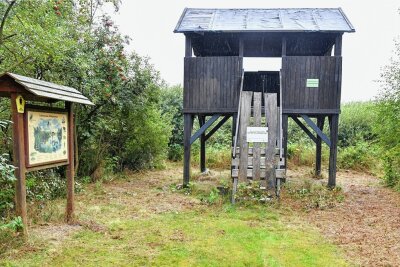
column 238, row 118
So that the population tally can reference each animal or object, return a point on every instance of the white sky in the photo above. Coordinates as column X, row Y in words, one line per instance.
column 150, row 24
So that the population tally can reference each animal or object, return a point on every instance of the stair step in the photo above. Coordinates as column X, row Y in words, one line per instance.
column 250, row 151
column 235, row 161
column 280, row 173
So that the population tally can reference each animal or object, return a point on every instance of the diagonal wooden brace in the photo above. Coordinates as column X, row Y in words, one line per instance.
column 204, row 128
column 304, row 128
column 316, row 129
column 220, row 123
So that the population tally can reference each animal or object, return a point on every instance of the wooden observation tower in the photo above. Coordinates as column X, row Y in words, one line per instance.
column 306, row 89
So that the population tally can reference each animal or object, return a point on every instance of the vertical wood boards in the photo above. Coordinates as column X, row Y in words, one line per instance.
column 245, row 112
column 284, row 45
column 271, row 114
column 241, row 47
column 334, row 125
column 187, row 132
column 338, row 45
column 188, row 46
column 257, row 146
column 212, row 84
column 296, row 96
column 71, row 166
column 19, row 162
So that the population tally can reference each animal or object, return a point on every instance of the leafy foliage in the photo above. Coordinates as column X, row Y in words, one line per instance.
column 14, row 225
column 388, row 126
column 73, row 42
column 7, row 180
column 172, row 103
column 357, row 140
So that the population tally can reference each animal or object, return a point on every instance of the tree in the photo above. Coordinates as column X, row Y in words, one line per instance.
column 72, row 42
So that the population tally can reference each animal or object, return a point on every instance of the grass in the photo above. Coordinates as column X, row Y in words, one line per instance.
column 216, row 237
column 119, row 231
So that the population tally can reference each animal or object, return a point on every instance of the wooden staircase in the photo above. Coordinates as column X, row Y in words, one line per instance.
column 258, row 161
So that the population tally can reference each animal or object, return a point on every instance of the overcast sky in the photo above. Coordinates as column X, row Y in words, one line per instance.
column 150, row 24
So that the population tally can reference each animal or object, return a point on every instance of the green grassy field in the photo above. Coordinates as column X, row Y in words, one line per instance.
column 135, row 223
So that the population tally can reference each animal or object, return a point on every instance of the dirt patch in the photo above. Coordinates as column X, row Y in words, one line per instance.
column 366, row 225
column 54, row 234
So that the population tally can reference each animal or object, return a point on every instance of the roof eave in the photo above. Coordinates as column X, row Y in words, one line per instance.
column 180, row 20
column 262, row 31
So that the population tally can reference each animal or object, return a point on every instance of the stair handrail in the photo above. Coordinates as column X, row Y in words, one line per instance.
column 238, row 117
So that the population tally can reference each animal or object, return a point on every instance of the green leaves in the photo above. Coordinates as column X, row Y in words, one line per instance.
column 388, row 119
column 15, row 225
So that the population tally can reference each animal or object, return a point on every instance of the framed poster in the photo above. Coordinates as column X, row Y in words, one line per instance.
column 46, row 135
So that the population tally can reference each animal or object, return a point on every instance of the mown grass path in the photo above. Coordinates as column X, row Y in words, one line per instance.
column 142, row 220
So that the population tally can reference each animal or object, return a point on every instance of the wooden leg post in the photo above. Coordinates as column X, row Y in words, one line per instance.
column 235, row 180
column 187, row 132
column 318, row 154
column 19, row 162
column 69, row 215
column 334, row 126
column 285, row 119
column 234, row 121
column 202, row 120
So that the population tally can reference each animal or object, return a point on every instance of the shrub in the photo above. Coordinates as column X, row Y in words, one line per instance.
column 7, row 180
column 387, row 125
column 360, row 156
column 356, row 123
column 392, row 170
column 172, row 104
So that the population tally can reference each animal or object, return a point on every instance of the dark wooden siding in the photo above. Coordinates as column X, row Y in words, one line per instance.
column 297, row 98
column 212, row 84
column 262, row 81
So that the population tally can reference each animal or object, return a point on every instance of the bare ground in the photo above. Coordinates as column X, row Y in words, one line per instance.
column 366, row 225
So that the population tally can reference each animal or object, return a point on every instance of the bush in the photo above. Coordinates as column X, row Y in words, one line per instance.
column 7, row 191
column 387, row 125
column 392, row 170
column 172, row 104
column 45, row 185
column 356, row 140
column 360, row 156
column 7, row 178
column 356, row 123
column 147, row 144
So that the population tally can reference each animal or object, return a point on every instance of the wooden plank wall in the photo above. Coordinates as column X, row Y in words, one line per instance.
column 212, row 84
column 261, row 81
column 297, row 98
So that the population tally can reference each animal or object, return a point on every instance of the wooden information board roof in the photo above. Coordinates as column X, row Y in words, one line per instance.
column 43, row 89
column 264, row 20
